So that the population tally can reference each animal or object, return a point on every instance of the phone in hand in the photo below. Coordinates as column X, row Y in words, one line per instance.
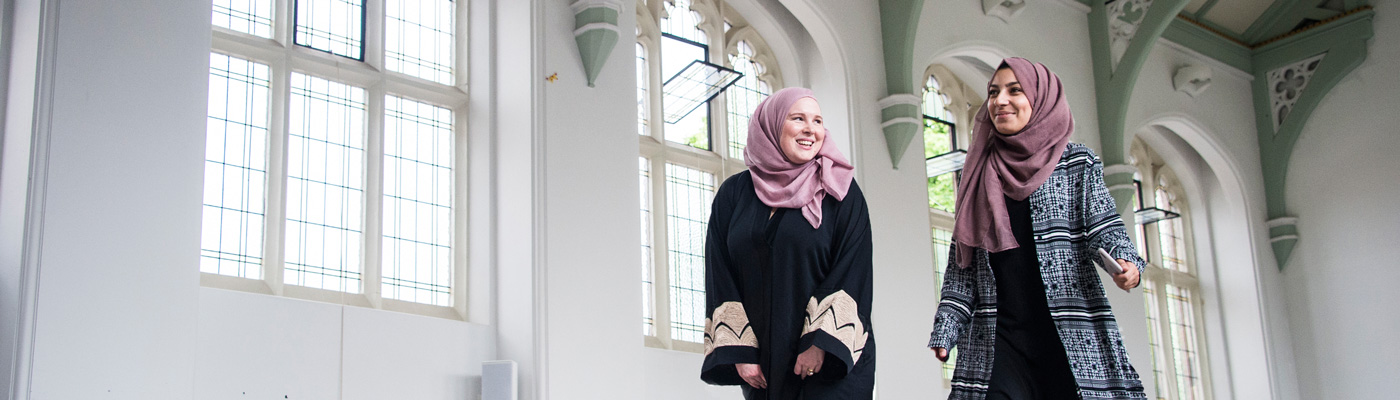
column 1108, row 263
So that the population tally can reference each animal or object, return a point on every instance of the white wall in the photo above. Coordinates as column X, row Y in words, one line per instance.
column 554, row 171
column 22, row 20
column 593, row 281
column 1209, row 141
column 257, row 345
column 1341, row 185
column 116, row 308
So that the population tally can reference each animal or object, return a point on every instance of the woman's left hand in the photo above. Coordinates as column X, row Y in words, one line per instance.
column 1129, row 278
column 809, row 362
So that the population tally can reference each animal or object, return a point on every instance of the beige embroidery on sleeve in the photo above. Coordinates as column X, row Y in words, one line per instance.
column 837, row 315
column 729, row 326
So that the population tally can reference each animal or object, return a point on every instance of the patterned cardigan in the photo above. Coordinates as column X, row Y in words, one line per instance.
column 1072, row 215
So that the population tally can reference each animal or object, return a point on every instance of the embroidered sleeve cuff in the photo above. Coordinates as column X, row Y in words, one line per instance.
column 833, row 324
column 718, row 368
column 729, row 340
column 1128, row 252
column 945, row 331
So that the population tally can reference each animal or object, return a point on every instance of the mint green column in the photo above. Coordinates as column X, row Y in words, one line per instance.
column 899, row 111
column 1121, row 37
column 1291, row 76
column 596, row 33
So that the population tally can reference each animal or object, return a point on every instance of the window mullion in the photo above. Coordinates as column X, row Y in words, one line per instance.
column 1168, row 344
column 283, row 22
column 276, row 220
column 661, row 274
column 374, row 197
column 461, row 203
column 656, row 89
column 719, row 106
column 460, row 76
column 373, row 41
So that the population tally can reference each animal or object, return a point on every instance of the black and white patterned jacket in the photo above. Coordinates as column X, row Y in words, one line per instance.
column 1072, row 215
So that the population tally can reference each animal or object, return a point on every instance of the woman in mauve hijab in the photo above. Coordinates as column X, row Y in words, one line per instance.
column 787, row 264
column 1022, row 301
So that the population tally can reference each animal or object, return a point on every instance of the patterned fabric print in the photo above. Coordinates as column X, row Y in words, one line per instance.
column 838, row 316
column 1072, row 215
column 729, row 327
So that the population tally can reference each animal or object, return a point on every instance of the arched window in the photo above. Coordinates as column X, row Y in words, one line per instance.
column 940, row 137
column 334, row 183
column 689, row 144
column 942, row 94
column 1171, row 288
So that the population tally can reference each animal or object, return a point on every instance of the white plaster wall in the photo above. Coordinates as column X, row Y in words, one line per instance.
column 116, row 307
column 1053, row 33
column 593, row 280
column 263, row 346
column 1341, row 185
column 21, row 57
column 1210, row 141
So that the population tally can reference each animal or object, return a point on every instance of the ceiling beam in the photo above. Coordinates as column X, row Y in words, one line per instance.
column 1291, row 76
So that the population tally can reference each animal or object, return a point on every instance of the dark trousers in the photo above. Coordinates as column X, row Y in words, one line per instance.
column 1017, row 377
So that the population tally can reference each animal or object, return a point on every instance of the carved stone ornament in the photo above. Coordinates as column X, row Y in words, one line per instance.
column 1286, row 85
column 1124, row 17
column 1004, row 9
column 1192, row 79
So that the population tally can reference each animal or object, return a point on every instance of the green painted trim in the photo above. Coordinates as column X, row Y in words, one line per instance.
column 1205, row 8
column 594, row 15
column 1283, row 249
column 1122, row 178
column 899, row 21
column 1345, row 46
column 1209, row 43
column 1285, row 20
column 898, row 138
column 1123, row 200
column 1267, row 20
column 1114, row 87
column 1288, row 229
column 594, row 46
column 1313, row 41
column 899, row 110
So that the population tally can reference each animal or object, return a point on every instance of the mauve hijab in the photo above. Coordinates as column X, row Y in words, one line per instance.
column 781, row 183
column 1000, row 166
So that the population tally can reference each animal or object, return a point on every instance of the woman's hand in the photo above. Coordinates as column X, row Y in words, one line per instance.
column 753, row 375
column 809, row 362
column 1129, row 278
column 941, row 353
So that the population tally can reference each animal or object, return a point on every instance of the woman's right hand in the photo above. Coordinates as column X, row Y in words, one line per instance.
column 752, row 374
column 941, row 353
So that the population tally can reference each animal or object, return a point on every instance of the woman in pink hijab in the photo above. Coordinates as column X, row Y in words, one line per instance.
column 1022, row 300
column 787, row 264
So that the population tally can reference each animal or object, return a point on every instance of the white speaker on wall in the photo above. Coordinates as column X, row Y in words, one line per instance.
column 499, row 380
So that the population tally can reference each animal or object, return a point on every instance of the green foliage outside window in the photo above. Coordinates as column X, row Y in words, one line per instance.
column 937, row 140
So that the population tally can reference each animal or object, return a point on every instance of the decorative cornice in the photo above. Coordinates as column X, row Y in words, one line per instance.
column 899, row 99
column 1310, row 27
column 899, row 120
column 1282, row 221
column 596, row 26
column 581, row 5
column 1211, row 29
column 1120, row 169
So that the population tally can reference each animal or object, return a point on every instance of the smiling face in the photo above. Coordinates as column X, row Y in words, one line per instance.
column 1007, row 104
column 803, row 132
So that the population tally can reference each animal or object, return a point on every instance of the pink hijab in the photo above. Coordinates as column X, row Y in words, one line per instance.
column 1000, row 166
column 781, row 183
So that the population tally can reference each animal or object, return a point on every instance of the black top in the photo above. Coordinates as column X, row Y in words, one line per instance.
column 775, row 266
column 1029, row 360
